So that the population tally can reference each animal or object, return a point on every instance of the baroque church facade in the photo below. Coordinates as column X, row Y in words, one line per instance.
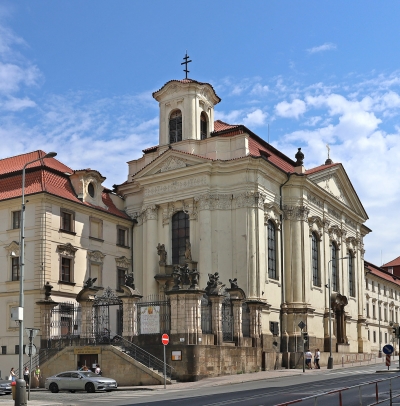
column 218, row 197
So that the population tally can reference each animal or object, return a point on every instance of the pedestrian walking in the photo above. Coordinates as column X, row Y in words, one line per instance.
column 317, row 356
column 308, row 359
column 12, row 376
column 36, row 376
column 98, row 370
column 26, row 375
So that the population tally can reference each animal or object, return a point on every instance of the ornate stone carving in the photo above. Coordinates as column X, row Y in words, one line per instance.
column 335, row 234
column 13, row 247
column 334, row 213
column 171, row 187
column 350, row 223
column 299, row 157
column 162, row 254
column 184, row 277
column 351, row 244
column 250, row 199
column 272, row 212
column 316, row 224
column 129, row 280
column 149, row 212
column 234, row 283
column 47, row 291
column 172, row 163
column 295, row 212
column 188, row 251
column 96, row 256
column 67, row 249
column 123, row 262
column 215, row 201
column 89, row 283
column 214, row 285
column 312, row 199
column 326, row 223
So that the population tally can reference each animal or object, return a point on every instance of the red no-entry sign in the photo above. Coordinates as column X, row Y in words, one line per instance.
column 165, row 339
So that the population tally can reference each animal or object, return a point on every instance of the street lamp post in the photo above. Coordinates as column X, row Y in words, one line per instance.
column 20, row 396
column 330, row 359
column 379, row 323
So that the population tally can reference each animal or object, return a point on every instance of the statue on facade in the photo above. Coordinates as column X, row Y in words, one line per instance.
column 234, row 283
column 185, row 272
column 47, row 291
column 214, row 285
column 194, row 278
column 188, row 251
column 177, row 277
column 89, row 283
column 161, row 251
column 129, row 280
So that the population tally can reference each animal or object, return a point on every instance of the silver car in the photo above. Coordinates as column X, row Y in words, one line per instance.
column 80, row 380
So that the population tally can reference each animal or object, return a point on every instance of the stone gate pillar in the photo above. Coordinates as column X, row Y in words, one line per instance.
column 46, row 307
column 216, row 315
column 255, row 307
column 129, row 297
column 86, row 298
column 237, row 298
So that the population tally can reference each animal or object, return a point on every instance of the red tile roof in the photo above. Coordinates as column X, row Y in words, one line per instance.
column 48, row 175
column 220, row 126
column 381, row 273
column 320, row 168
column 395, row 262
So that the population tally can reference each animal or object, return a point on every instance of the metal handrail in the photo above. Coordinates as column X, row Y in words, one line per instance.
column 144, row 357
column 42, row 356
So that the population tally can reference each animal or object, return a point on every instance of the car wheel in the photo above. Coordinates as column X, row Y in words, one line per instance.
column 72, row 391
column 90, row 388
column 53, row 387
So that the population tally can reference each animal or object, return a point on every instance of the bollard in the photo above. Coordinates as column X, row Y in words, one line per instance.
column 13, row 389
column 20, row 393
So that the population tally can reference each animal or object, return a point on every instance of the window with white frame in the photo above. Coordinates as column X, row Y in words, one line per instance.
column 272, row 272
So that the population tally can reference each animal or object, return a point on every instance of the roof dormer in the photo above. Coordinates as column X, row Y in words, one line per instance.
column 186, row 110
column 88, row 186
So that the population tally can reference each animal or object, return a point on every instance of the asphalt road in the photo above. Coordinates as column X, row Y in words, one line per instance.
column 267, row 392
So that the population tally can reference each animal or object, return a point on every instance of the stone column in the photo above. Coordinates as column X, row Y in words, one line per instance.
column 216, row 310
column 150, row 244
column 237, row 296
column 205, row 265
column 46, row 306
column 86, row 298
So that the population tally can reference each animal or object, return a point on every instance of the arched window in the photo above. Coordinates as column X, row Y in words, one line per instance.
column 271, row 251
column 335, row 273
column 315, row 260
column 91, row 189
column 180, row 233
column 351, row 274
column 175, row 126
column 203, row 126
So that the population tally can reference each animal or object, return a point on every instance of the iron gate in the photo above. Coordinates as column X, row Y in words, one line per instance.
column 65, row 321
column 227, row 320
column 101, row 315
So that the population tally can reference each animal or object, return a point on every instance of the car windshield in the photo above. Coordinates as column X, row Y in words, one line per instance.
column 88, row 374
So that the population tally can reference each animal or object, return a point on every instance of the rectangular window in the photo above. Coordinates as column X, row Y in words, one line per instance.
column 67, row 221
column 367, row 308
column 386, row 338
column 16, row 349
column 335, row 274
column 96, row 228
column 122, row 236
column 4, row 349
column 385, row 314
column 315, row 260
column 392, row 316
column 384, row 291
column 369, row 336
column 120, row 277
column 271, row 251
column 95, row 272
column 366, row 283
column 351, row 276
column 16, row 219
column 15, row 269
column 373, row 311
column 379, row 313
column 373, row 286
column 374, row 335
column 66, row 269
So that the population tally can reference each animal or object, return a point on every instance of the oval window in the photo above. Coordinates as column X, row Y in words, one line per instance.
column 91, row 189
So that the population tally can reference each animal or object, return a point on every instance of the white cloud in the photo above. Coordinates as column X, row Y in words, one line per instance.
column 255, row 118
column 259, row 89
column 291, row 110
column 15, row 104
column 233, row 117
column 325, row 47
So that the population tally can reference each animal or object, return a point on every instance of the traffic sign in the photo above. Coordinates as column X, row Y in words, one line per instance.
column 388, row 349
column 301, row 325
column 165, row 339
column 32, row 352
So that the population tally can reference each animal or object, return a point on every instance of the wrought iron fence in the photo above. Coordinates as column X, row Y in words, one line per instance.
column 227, row 319
column 245, row 320
column 154, row 315
column 65, row 321
column 206, row 315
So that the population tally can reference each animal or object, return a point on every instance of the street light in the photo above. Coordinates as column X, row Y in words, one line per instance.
column 21, row 279
column 330, row 359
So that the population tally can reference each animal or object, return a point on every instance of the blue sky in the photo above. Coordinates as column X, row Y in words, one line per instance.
column 76, row 77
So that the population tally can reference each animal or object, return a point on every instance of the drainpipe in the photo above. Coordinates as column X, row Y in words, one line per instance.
column 282, row 278
column 134, row 221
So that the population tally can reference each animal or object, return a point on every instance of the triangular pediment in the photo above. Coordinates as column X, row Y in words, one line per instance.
column 336, row 183
column 169, row 161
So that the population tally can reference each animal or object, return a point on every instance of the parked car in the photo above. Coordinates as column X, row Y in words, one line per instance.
column 5, row 387
column 79, row 380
